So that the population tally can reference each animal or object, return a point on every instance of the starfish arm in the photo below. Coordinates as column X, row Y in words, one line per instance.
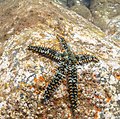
column 82, row 59
column 54, row 84
column 46, row 52
column 72, row 87
column 63, row 43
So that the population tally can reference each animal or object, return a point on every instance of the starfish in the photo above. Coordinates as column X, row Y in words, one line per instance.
column 68, row 63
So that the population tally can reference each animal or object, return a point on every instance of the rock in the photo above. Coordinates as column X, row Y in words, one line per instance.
column 24, row 75
column 103, row 11
column 87, row 3
column 113, row 28
column 82, row 10
column 81, row 7
column 70, row 3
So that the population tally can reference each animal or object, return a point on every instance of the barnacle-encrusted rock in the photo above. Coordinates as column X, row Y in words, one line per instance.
column 24, row 75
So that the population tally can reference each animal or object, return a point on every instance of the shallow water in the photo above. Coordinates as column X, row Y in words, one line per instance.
column 24, row 75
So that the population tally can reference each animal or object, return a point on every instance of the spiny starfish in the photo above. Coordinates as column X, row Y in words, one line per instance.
column 68, row 62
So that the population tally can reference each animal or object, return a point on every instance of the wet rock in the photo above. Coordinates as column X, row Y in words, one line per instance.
column 82, row 10
column 113, row 28
column 81, row 7
column 103, row 11
column 87, row 3
column 24, row 75
column 70, row 3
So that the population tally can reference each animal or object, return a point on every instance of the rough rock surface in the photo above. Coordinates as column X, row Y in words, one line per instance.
column 113, row 28
column 100, row 12
column 103, row 11
column 25, row 75
column 82, row 10
column 79, row 6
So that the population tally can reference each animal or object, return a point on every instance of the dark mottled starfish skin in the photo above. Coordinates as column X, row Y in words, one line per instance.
column 68, row 62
